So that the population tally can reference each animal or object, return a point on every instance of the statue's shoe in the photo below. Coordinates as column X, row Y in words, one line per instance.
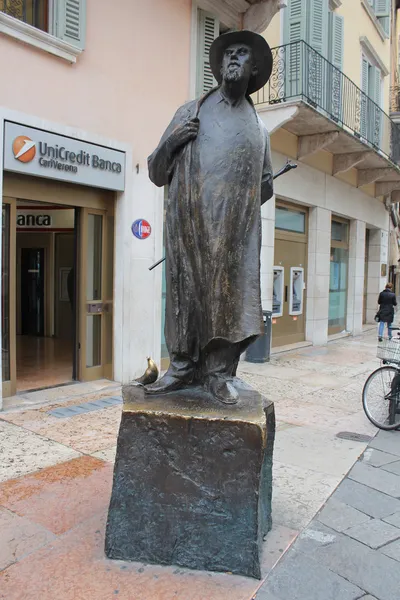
column 167, row 383
column 222, row 389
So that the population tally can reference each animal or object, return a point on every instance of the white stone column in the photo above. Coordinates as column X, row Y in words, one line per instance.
column 267, row 252
column 377, row 256
column 355, row 285
column 318, row 272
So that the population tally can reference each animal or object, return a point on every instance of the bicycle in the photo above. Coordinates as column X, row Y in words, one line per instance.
column 381, row 392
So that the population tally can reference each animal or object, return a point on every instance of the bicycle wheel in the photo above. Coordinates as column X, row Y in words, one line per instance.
column 380, row 400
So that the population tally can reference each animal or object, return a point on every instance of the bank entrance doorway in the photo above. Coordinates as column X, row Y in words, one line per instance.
column 290, row 272
column 57, row 293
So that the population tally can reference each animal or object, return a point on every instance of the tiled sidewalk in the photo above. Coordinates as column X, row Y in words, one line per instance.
column 56, row 470
column 351, row 549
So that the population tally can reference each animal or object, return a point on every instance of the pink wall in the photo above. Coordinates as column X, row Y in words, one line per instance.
column 127, row 83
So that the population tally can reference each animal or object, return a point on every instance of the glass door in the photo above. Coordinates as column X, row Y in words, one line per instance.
column 8, row 268
column 338, row 275
column 96, row 294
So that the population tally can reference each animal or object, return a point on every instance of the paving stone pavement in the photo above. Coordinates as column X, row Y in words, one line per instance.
column 351, row 549
column 56, row 474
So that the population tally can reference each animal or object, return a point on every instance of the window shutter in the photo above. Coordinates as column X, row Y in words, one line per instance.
column 70, row 21
column 376, row 124
column 295, row 22
column 364, row 87
column 385, row 22
column 318, row 26
column 377, row 85
column 336, row 43
column 364, row 76
column 382, row 8
column 208, row 30
column 335, row 55
column 294, row 31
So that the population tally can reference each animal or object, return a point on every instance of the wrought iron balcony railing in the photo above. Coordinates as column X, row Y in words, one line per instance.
column 301, row 73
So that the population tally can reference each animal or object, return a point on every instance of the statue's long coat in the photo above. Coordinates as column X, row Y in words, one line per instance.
column 213, row 224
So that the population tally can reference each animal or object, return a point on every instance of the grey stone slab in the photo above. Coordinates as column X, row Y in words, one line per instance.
column 368, row 597
column 340, row 516
column 377, row 458
column 380, row 480
column 374, row 534
column 393, row 519
column 299, row 577
column 387, row 441
column 85, row 407
column 369, row 569
column 392, row 550
column 393, row 468
column 365, row 499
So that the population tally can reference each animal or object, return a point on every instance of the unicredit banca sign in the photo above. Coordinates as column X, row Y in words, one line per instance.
column 43, row 154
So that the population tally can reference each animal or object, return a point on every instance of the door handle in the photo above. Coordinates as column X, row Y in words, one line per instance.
column 286, row 291
column 95, row 307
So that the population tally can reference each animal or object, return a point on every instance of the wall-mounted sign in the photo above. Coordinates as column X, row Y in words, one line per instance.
column 141, row 229
column 43, row 218
column 43, row 154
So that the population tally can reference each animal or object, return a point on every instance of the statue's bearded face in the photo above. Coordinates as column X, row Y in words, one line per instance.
column 238, row 63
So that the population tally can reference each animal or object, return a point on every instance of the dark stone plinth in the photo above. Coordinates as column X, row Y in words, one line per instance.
column 192, row 481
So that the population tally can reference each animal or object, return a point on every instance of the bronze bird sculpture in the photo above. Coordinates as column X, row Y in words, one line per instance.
column 151, row 373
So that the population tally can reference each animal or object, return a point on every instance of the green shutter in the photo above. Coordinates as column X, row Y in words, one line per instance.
column 317, row 37
column 364, row 76
column 377, row 85
column 376, row 124
column 317, row 26
column 335, row 55
column 70, row 21
column 294, row 22
column 208, row 30
column 336, row 41
column 364, row 99
column 382, row 8
column 385, row 23
column 294, row 31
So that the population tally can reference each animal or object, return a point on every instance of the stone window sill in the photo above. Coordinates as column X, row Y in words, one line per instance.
column 371, row 14
column 39, row 39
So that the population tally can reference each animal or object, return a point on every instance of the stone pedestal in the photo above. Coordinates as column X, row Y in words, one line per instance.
column 192, row 481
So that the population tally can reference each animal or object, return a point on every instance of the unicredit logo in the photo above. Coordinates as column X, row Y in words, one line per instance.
column 24, row 148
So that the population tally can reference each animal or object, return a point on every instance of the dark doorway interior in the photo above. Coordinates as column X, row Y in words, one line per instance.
column 32, row 291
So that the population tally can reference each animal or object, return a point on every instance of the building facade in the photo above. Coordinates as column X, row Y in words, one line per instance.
column 334, row 219
column 86, row 93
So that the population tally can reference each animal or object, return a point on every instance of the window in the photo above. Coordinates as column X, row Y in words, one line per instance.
column 63, row 19
column 33, row 12
column 290, row 220
column 381, row 9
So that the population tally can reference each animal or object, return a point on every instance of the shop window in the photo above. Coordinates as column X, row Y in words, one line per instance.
column 290, row 220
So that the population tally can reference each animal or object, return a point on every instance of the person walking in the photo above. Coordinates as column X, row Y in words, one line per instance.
column 387, row 301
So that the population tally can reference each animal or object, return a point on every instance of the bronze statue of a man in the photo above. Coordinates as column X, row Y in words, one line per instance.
column 215, row 156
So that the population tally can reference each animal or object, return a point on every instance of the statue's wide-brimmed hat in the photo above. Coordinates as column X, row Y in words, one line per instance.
column 261, row 52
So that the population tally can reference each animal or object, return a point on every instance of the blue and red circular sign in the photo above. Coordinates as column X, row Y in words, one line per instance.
column 141, row 229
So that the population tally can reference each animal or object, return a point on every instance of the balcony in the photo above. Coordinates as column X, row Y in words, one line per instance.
column 334, row 114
